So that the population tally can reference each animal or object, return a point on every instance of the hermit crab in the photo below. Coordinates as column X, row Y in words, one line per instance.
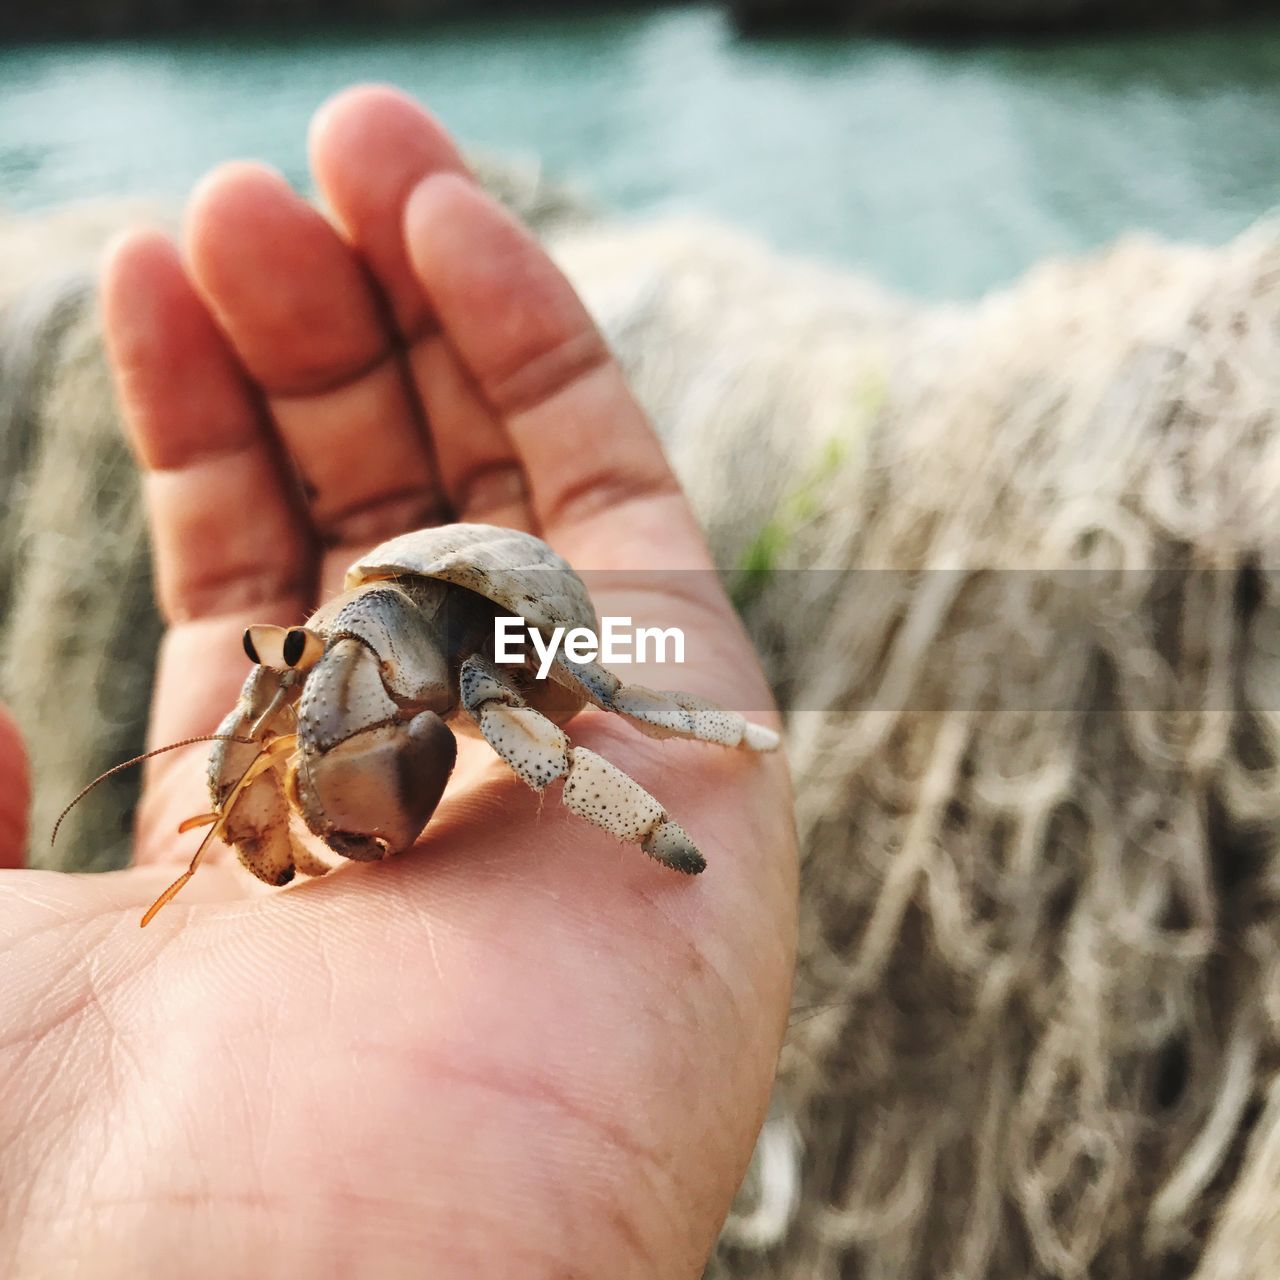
column 345, row 721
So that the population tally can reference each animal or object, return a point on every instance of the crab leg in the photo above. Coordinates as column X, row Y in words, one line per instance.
column 664, row 714
column 198, row 820
column 263, row 761
column 539, row 752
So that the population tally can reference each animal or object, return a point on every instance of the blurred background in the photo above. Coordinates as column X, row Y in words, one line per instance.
column 1037, row 1028
column 942, row 146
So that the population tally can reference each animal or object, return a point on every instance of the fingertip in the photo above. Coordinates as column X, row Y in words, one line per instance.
column 15, row 793
column 132, row 251
column 239, row 203
column 133, row 265
column 175, row 379
column 234, row 201
column 416, row 222
column 288, row 292
column 446, row 215
column 237, row 193
column 368, row 112
column 509, row 311
column 232, row 176
column 444, row 189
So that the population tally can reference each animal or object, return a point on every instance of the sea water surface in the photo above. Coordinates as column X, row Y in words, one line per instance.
column 941, row 170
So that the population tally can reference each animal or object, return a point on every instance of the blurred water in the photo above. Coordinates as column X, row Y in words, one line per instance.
column 942, row 170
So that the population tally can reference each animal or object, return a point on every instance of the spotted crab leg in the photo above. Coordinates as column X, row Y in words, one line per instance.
column 539, row 752
column 664, row 713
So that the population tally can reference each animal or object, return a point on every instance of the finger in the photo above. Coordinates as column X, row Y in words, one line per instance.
column 15, row 793
column 598, row 480
column 370, row 147
column 479, row 470
column 198, row 433
column 308, row 325
column 230, row 546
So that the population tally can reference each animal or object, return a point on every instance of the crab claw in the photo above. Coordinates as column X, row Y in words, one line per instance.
column 371, row 794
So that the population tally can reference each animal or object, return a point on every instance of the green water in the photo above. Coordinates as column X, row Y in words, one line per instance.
column 941, row 170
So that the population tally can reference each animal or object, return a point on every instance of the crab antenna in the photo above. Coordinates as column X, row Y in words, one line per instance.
column 128, row 764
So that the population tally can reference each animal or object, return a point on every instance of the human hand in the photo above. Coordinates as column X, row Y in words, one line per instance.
column 519, row 1049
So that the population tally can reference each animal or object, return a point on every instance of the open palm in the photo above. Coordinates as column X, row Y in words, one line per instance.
column 522, row 1048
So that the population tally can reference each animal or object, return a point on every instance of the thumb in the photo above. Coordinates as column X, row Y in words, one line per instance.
column 15, row 793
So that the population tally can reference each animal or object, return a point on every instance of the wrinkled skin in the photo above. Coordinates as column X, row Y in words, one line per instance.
column 518, row 1048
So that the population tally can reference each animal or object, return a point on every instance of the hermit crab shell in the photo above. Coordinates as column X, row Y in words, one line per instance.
column 515, row 570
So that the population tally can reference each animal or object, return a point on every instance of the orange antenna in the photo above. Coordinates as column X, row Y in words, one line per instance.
column 128, row 764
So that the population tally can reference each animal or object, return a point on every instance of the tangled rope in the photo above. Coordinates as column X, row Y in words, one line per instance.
column 1011, row 568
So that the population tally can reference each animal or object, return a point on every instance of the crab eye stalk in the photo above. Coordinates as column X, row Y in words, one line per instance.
column 283, row 648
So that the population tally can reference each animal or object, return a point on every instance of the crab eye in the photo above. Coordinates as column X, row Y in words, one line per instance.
column 302, row 648
column 283, row 648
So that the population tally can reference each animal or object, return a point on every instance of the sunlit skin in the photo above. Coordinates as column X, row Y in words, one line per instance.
column 520, row 1049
